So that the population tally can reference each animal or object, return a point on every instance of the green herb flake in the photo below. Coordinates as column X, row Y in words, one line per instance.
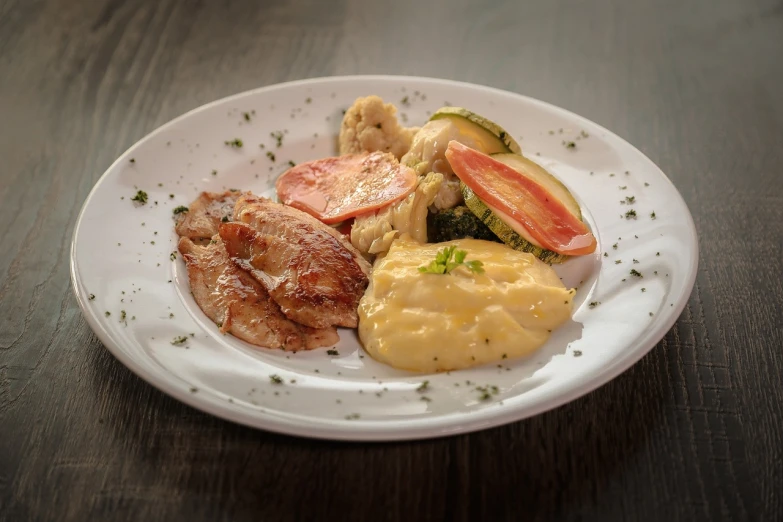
column 569, row 144
column 173, row 256
column 107, row 313
column 614, row 246
column 214, row 172
column 630, row 199
column 652, row 215
column 352, row 416
column 635, row 261
column 141, row 197
column 278, row 137
column 91, row 297
column 246, row 115
column 631, row 214
column 332, row 352
column 594, row 304
column 291, row 163
column 635, row 273
column 443, row 263
column 424, row 386
column 644, row 289
column 132, row 160
column 577, row 353
column 180, row 340
column 606, row 254
column 618, row 262
column 276, row 379
column 235, row 143
column 270, row 155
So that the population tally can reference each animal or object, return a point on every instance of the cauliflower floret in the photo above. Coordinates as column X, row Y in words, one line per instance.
column 374, row 233
column 370, row 125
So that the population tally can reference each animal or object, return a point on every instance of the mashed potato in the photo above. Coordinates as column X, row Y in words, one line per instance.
column 433, row 322
column 370, row 125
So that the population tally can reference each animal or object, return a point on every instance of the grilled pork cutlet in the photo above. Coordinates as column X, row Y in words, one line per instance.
column 240, row 305
column 314, row 274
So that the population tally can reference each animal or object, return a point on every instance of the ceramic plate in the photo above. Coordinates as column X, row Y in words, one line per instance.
column 133, row 289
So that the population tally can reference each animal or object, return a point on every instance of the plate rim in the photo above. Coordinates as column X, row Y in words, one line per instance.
column 376, row 431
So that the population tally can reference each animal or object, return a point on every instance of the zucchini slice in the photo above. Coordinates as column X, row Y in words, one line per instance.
column 516, row 238
column 490, row 136
column 539, row 174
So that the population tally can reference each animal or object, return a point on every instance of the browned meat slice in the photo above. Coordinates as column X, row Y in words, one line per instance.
column 307, row 267
column 206, row 213
column 240, row 305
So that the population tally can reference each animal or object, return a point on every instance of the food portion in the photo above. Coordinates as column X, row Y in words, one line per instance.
column 521, row 203
column 374, row 233
column 429, row 322
column 239, row 305
column 335, row 189
column 371, row 125
column 460, row 225
column 202, row 219
column 428, row 149
column 308, row 268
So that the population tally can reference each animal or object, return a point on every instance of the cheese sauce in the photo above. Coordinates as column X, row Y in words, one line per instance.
column 439, row 322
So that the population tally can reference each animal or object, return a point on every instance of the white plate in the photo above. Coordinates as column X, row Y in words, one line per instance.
column 121, row 256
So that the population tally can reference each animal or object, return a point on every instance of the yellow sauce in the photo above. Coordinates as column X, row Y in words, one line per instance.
column 434, row 322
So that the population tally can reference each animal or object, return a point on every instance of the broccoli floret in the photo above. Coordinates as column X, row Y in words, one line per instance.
column 458, row 223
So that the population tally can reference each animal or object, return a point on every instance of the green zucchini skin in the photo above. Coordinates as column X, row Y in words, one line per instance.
column 505, row 232
column 508, row 142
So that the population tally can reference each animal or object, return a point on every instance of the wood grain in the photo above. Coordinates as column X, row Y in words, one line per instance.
column 692, row 432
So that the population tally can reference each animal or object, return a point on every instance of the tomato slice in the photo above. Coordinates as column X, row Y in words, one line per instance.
column 335, row 189
column 529, row 204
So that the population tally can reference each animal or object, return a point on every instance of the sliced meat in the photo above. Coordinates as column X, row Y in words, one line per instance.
column 206, row 213
column 240, row 305
column 335, row 189
column 307, row 267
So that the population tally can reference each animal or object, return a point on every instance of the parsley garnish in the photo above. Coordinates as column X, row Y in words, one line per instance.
column 569, row 144
column 270, row 155
column 276, row 379
column 141, row 197
column 173, row 256
column 630, row 214
column 180, row 209
column 332, row 352
column 278, row 136
column 179, row 340
column 92, row 296
column 652, row 215
column 424, row 386
column 635, row 273
column 443, row 263
column 236, row 143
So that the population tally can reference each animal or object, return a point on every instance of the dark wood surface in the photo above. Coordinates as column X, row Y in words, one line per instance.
column 692, row 432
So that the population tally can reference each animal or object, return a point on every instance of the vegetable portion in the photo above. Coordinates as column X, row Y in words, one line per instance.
column 490, row 218
column 335, row 189
column 488, row 136
column 450, row 258
column 458, row 223
column 523, row 204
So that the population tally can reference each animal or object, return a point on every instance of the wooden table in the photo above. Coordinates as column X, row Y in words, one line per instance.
column 692, row 432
